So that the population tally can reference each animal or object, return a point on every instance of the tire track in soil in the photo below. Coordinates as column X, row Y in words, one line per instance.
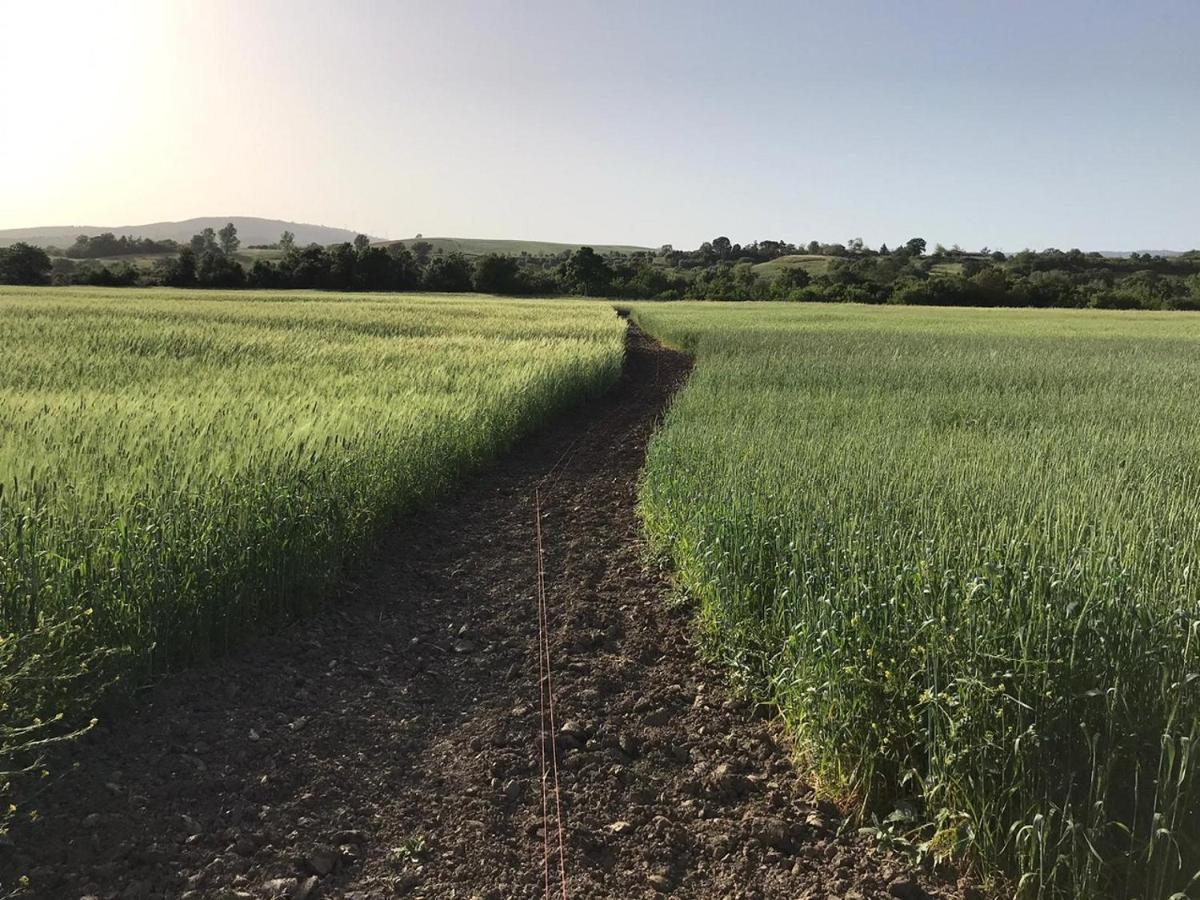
column 389, row 746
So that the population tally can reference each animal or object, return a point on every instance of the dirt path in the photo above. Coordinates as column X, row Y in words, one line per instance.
column 389, row 747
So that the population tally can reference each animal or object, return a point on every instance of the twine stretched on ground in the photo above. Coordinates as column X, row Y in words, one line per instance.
column 546, row 706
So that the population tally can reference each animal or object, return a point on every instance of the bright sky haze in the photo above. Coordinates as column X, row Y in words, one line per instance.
column 1015, row 124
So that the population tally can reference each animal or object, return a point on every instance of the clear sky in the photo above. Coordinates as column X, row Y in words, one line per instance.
column 1007, row 124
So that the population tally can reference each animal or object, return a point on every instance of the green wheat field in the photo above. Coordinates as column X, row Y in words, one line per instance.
column 959, row 549
column 179, row 471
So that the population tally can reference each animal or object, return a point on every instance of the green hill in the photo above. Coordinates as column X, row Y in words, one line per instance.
column 814, row 265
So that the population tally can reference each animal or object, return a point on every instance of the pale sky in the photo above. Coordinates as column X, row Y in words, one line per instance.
column 1007, row 124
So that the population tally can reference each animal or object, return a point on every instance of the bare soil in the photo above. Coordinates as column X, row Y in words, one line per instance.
column 389, row 747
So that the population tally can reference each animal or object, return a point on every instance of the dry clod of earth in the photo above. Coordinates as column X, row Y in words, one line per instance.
column 389, row 748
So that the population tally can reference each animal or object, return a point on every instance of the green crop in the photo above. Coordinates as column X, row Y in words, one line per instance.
column 959, row 548
column 180, row 470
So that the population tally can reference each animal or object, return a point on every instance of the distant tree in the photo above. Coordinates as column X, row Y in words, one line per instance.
column 216, row 270
column 62, row 269
column 108, row 244
column 342, row 264
column 229, row 239
column 123, row 275
column 641, row 278
column 181, row 271
column 451, row 272
column 105, row 244
column 1193, row 294
column 24, row 264
column 404, row 273
column 361, row 244
column 422, row 250
column 792, row 278
column 729, row 281
column 310, row 267
column 915, row 246
column 722, row 247
column 883, row 250
column 587, row 273
column 205, row 242
column 768, row 250
column 375, row 271
column 1115, row 300
column 497, row 274
column 264, row 274
column 287, row 242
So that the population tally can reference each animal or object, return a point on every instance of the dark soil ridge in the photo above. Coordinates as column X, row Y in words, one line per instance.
column 389, row 747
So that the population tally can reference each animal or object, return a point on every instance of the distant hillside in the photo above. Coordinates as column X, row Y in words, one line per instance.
column 251, row 230
column 482, row 246
column 814, row 265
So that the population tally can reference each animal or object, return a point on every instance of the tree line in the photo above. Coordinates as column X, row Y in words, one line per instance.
column 108, row 244
column 716, row 270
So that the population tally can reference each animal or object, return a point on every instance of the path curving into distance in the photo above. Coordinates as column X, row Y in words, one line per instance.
column 389, row 747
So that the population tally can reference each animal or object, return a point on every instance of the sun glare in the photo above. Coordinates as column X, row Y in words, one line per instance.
column 90, row 70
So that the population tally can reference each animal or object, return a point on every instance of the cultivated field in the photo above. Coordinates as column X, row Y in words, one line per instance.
column 960, row 549
column 179, row 470
column 956, row 547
